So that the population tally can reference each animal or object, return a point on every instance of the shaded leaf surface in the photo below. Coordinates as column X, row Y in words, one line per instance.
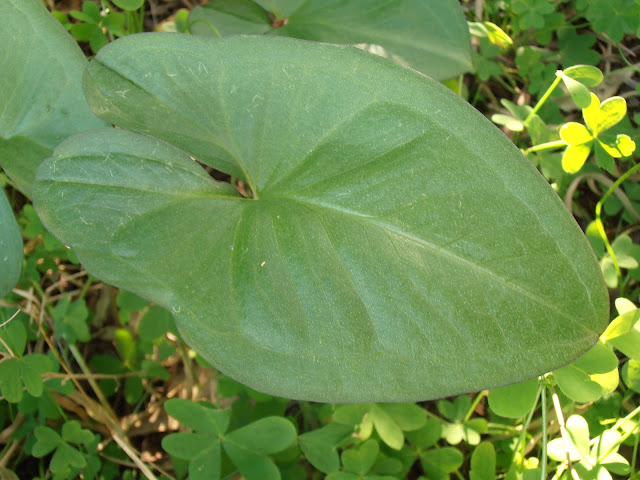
column 10, row 247
column 428, row 35
column 380, row 242
column 36, row 115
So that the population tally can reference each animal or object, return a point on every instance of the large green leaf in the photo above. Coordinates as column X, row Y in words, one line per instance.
column 397, row 246
column 41, row 101
column 428, row 35
column 10, row 247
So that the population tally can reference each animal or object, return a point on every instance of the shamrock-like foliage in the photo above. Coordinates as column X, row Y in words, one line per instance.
column 599, row 117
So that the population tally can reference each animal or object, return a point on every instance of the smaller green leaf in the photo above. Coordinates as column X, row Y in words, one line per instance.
column 497, row 36
column 453, row 433
column 198, row 417
column 207, row 464
column 360, row 460
column 126, row 346
column 600, row 359
column 70, row 321
column 624, row 305
column 155, row 324
column 46, row 440
column 349, row 414
column 631, row 375
column 483, row 462
column 189, row 445
column 389, row 431
column 622, row 324
column 446, row 459
column 73, row 432
column 15, row 337
column 579, row 93
column 427, row 436
column 578, row 431
column 577, row 385
column 10, row 382
column 33, row 366
column 65, row 456
column 456, row 410
column 265, row 436
column 511, row 123
column 128, row 5
column 408, row 416
column 587, row 75
column 84, row 32
column 133, row 390
column 320, row 446
column 115, row 23
column 514, row 401
column 616, row 464
column 609, row 381
column 628, row 343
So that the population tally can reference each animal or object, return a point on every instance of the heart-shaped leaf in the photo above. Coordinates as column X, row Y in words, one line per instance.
column 10, row 247
column 430, row 36
column 389, row 226
column 41, row 102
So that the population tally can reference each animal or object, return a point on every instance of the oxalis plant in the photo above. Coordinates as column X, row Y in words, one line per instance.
column 378, row 227
column 374, row 225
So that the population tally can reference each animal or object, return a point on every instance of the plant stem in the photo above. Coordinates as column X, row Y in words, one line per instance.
column 525, row 426
column 564, row 434
column 543, row 99
column 546, row 146
column 600, row 225
column 543, row 461
column 474, row 404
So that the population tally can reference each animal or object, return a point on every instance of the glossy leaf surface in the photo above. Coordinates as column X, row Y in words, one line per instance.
column 41, row 100
column 430, row 36
column 391, row 226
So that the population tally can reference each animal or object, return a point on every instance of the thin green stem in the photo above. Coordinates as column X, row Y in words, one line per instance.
column 546, row 146
column 635, row 452
column 474, row 404
column 600, row 225
column 543, row 99
column 525, row 427
column 631, row 65
column 89, row 377
column 543, row 461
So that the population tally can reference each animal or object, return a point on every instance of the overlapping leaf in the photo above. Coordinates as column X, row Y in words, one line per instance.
column 390, row 228
column 41, row 101
column 10, row 247
column 428, row 35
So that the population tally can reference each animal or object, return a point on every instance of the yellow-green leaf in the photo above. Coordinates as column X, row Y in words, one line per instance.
column 600, row 117
column 610, row 149
column 575, row 133
column 574, row 157
column 625, row 145
column 612, row 111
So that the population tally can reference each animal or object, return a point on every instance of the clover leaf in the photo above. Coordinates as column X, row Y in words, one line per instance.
column 591, row 458
column 248, row 447
column 599, row 117
column 67, row 446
